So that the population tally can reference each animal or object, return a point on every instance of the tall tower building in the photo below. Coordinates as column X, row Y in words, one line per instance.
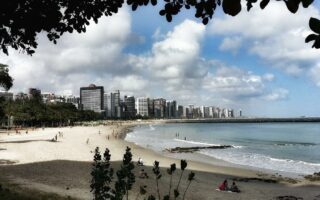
column 142, row 106
column 115, row 104
column 159, row 108
column 91, row 98
column 129, row 102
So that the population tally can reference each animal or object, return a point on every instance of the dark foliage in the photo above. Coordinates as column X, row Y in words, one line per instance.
column 33, row 112
column 102, row 174
column 6, row 80
column 22, row 20
column 125, row 177
column 315, row 27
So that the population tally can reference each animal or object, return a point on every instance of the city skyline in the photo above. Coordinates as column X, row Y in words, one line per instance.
column 113, row 105
column 251, row 69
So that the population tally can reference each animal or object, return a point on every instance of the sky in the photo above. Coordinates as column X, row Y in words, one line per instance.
column 257, row 61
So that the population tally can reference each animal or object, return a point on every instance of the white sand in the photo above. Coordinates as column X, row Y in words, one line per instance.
column 37, row 147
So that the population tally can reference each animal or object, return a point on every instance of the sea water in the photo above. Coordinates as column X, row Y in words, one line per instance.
column 283, row 147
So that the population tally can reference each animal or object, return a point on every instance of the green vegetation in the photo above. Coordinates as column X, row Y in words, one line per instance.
column 6, row 80
column 102, row 177
column 33, row 112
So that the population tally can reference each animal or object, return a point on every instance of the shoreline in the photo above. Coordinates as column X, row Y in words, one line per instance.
column 67, row 164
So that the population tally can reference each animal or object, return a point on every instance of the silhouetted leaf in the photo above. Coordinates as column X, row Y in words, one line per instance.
column 314, row 25
column 205, row 21
column 307, row 3
column 264, row 3
column 293, row 5
column 154, row 2
column 162, row 12
column 231, row 7
column 311, row 37
column 169, row 17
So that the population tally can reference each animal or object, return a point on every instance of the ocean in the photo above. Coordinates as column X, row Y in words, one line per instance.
column 292, row 148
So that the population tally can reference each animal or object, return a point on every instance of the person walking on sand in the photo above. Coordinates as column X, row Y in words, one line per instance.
column 88, row 141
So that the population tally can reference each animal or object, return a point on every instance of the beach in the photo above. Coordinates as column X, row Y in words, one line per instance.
column 34, row 161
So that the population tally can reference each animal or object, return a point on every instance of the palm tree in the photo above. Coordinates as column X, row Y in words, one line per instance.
column 6, row 80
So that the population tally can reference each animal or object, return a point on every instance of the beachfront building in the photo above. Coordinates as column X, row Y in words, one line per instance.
column 142, row 106
column 180, row 111
column 129, row 106
column 171, row 109
column 107, row 104
column 6, row 95
column 91, row 98
column 159, row 108
column 115, row 104
column 150, row 108
column 185, row 113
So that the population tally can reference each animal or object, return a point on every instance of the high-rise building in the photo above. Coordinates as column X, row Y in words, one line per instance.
column 91, row 98
column 191, row 111
column 151, row 107
column 206, row 112
column 142, row 106
column 171, row 109
column 159, row 108
column 115, row 104
column 180, row 111
column 107, row 104
column 185, row 113
column 129, row 103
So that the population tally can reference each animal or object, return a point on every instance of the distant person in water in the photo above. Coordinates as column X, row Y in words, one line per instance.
column 185, row 138
column 224, row 185
column 234, row 187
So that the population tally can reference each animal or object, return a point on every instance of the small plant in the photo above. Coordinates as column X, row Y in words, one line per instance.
column 102, row 175
column 156, row 171
column 183, row 166
column 125, row 177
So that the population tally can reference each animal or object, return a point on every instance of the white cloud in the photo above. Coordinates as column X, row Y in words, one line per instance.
column 231, row 44
column 314, row 73
column 268, row 77
column 278, row 94
column 77, row 60
column 234, row 83
column 274, row 35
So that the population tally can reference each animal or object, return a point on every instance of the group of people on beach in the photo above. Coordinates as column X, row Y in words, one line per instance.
column 224, row 187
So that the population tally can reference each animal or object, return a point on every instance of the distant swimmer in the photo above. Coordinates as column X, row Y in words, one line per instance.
column 185, row 138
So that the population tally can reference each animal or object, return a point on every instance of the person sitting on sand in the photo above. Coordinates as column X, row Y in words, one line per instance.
column 234, row 188
column 140, row 162
column 143, row 174
column 224, row 185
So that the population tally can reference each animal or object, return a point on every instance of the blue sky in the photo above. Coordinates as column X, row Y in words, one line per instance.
column 257, row 62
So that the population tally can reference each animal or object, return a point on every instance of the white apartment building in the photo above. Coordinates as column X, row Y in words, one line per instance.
column 142, row 106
